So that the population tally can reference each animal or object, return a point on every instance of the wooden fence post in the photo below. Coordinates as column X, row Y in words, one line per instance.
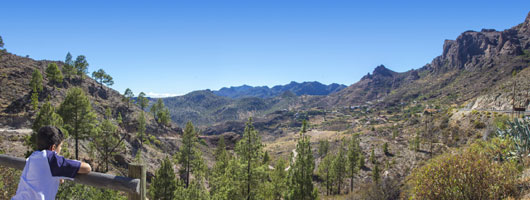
column 137, row 170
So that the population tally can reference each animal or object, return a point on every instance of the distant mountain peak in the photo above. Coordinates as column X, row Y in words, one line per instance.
column 304, row 88
column 383, row 71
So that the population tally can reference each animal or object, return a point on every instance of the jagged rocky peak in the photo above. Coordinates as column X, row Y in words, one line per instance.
column 471, row 46
column 379, row 71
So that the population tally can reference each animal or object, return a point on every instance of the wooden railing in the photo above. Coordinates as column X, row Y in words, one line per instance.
column 134, row 185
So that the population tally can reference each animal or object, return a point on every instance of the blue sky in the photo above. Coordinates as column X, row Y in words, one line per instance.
column 174, row 47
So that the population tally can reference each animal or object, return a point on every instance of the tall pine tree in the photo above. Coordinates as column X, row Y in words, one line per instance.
column 45, row 117
column 301, row 171
column 339, row 168
column 107, row 141
column 78, row 117
column 55, row 76
column 189, row 156
column 250, row 152
column 353, row 157
column 164, row 184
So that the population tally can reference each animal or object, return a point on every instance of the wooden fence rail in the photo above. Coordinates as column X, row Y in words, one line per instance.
column 134, row 186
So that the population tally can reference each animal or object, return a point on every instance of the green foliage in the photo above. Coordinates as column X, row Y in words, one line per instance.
column 119, row 119
column 500, row 121
column 9, row 179
column 36, row 81
column 81, row 66
column 324, row 171
column 78, row 117
column 353, row 157
column 142, row 100
column 372, row 157
column 164, row 184
column 338, row 168
column 72, row 191
column 194, row 191
column 141, row 129
column 376, row 173
column 385, row 148
column 34, row 100
column 46, row 116
column 226, row 183
column 468, row 173
column 250, row 152
column 1, row 42
column 106, row 141
column 361, row 160
column 54, row 74
column 128, row 95
column 414, row 143
column 518, row 131
column 189, row 156
column 278, row 180
column 68, row 68
column 266, row 158
column 301, row 172
column 161, row 113
column 323, row 148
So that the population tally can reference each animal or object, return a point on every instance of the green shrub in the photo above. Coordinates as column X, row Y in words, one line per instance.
column 469, row 173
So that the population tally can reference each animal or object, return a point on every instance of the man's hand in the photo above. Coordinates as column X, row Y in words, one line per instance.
column 84, row 168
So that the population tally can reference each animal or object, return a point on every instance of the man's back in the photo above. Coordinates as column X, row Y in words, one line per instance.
column 42, row 174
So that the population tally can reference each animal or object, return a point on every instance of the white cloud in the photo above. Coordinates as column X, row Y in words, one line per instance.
column 160, row 95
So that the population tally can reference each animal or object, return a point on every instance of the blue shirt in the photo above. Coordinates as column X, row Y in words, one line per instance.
column 42, row 174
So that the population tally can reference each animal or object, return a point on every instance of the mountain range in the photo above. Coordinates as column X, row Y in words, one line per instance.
column 304, row 88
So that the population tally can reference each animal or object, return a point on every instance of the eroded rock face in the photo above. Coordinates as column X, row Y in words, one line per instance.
column 471, row 46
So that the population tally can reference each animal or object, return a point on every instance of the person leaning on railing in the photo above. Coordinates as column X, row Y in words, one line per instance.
column 45, row 169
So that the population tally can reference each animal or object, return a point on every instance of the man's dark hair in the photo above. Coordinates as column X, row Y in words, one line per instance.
column 48, row 136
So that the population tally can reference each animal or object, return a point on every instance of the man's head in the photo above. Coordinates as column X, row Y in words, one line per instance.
column 50, row 138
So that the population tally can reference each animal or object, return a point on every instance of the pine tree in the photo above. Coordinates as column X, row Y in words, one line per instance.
column 128, row 94
column 372, row 157
column 323, row 148
column 190, row 157
column 142, row 100
column 385, row 148
column 1, row 42
column 106, row 141
column 375, row 173
column 250, row 151
column 54, row 74
column 339, row 168
column 161, row 113
column 68, row 67
column 78, row 117
column 108, row 80
column 98, row 76
column 301, row 171
column 354, row 151
column 228, row 184
column 34, row 99
column 36, row 81
column 164, row 184
column 266, row 158
column 361, row 160
column 81, row 66
column 46, row 116
column 324, row 170
column 279, row 180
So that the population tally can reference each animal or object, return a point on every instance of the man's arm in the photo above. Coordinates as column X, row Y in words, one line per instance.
column 84, row 168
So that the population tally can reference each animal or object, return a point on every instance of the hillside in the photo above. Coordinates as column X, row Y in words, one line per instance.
column 205, row 108
column 468, row 67
column 17, row 116
column 304, row 88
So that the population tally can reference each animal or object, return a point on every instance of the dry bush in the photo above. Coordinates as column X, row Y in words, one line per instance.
column 476, row 172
